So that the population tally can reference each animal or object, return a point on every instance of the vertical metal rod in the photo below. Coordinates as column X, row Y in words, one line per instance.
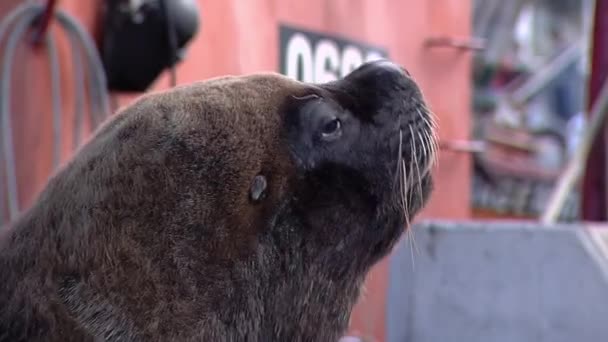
column 594, row 193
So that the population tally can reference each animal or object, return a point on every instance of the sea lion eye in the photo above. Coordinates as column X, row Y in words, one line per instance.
column 332, row 129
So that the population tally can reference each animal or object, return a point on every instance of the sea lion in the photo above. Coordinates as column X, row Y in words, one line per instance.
column 236, row 209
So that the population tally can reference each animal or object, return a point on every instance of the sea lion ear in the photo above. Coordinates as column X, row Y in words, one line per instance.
column 257, row 191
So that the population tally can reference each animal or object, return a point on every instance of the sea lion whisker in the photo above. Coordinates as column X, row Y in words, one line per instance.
column 429, row 118
column 408, row 226
column 424, row 158
column 424, row 119
column 404, row 201
column 410, row 239
column 411, row 179
column 429, row 143
column 417, row 167
column 399, row 157
column 430, row 114
column 419, row 186
column 430, row 162
column 412, row 156
column 432, row 140
column 423, row 144
column 435, row 148
column 412, row 235
column 404, row 193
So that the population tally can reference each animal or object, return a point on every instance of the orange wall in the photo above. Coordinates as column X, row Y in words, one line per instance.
column 241, row 36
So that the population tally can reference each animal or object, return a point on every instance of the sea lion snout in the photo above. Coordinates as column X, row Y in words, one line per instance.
column 393, row 133
column 386, row 95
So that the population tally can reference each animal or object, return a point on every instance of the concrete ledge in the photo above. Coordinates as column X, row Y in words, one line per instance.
column 499, row 282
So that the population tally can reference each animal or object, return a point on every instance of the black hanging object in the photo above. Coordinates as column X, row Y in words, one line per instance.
column 141, row 38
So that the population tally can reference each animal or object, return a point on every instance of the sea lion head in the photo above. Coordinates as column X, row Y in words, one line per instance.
column 362, row 148
column 248, row 207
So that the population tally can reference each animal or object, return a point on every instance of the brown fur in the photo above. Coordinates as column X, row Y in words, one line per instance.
column 149, row 233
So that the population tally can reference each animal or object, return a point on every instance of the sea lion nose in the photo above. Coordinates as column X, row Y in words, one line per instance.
column 372, row 87
column 380, row 75
column 384, row 65
column 381, row 69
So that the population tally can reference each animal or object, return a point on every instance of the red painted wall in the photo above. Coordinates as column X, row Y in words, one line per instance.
column 240, row 36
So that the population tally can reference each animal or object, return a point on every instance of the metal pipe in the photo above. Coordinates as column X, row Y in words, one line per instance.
column 24, row 15
column 99, row 95
column 467, row 146
column 22, row 18
column 475, row 44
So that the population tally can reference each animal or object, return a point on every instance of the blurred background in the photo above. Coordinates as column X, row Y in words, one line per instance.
column 512, row 245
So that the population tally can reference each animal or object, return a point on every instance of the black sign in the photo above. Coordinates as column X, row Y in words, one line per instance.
column 319, row 58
